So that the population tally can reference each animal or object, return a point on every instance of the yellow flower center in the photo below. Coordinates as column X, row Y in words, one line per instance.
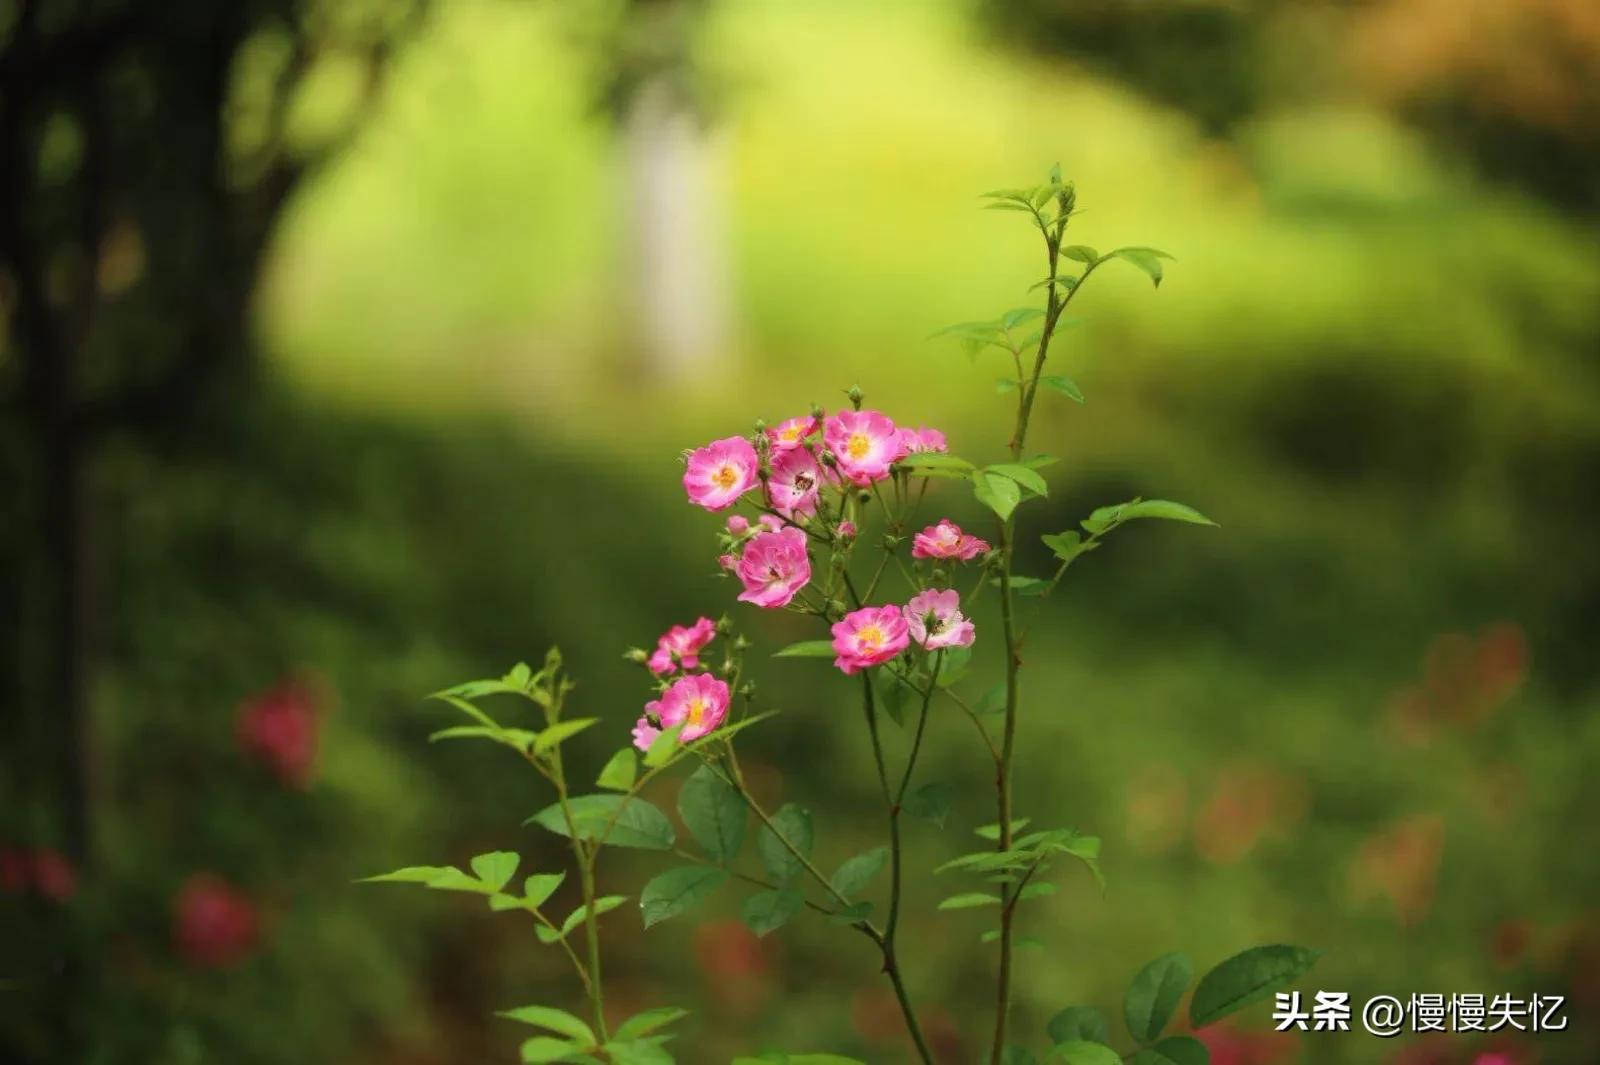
column 791, row 434
column 696, row 712
column 858, row 445
column 870, row 637
column 725, row 477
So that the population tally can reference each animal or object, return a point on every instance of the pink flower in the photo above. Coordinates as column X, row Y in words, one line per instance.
column 698, row 702
column 915, row 440
column 770, row 522
column 792, row 433
column 792, row 487
column 738, row 524
column 869, row 637
column 847, row 530
column 865, row 443
column 719, row 473
column 774, row 568
column 278, row 728
column 935, row 620
column 681, row 646
column 946, row 540
column 54, row 876
column 728, row 562
column 645, row 732
column 214, row 925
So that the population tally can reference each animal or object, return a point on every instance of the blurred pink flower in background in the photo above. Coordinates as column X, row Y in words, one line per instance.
column 214, row 926
column 1402, row 864
column 44, row 871
column 1464, row 682
column 279, row 728
column 1249, row 802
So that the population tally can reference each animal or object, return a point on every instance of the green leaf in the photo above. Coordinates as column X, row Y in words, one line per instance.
column 638, row 1052
column 856, row 873
column 537, row 889
column 638, row 824
column 1003, row 385
column 411, row 874
column 649, row 1021
column 1085, row 1052
column 1162, row 508
column 993, row 831
column 1081, row 253
column 714, row 813
column 547, row 935
column 495, row 869
column 663, row 747
column 768, row 911
column 678, row 890
column 1036, row 889
column 466, row 708
column 893, row 693
column 1146, row 259
column 452, row 879
column 552, row 1020
column 601, row 905
column 931, row 802
column 807, row 649
column 561, row 731
column 794, row 822
column 518, row 676
column 542, row 1048
column 1023, row 475
column 1174, row 1050
column 773, row 1057
column 1017, row 1055
column 1078, row 1023
column 855, row 913
column 1067, row 545
column 1153, row 995
column 993, row 701
column 1245, row 978
column 953, row 664
column 996, row 491
column 969, row 900
column 1065, row 385
column 620, row 771
column 927, row 461
column 1013, row 318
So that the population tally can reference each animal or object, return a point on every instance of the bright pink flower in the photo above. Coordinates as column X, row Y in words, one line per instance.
column 792, row 433
column 915, row 440
column 681, row 646
column 279, row 729
column 645, row 732
column 847, row 530
column 774, row 567
column 698, row 702
column 935, row 620
column 869, row 637
column 214, row 925
column 946, row 540
column 770, row 522
column 719, row 473
column 728, row 562
column 738, row 524
column 792, row 487
column 864, row 443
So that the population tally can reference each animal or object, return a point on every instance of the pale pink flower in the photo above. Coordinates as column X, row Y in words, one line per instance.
column 934, row 620
column 946, row 540
column 770, row 522
column 681, row 646
column 728, row 562
column 915, row 440
column 792, row 486
column 698, row 702
column 869, row 637
column 864, row 443
column 792, row 433
column 774, row 567
column 645, row 732
column 719, row 473
column 847, row 530
column 738, row 524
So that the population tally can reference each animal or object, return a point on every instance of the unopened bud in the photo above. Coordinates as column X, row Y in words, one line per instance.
column 634, row 654
column 747, row 689
column 854, row 395
column 724, row 625
column 816, row 411
column 740, row 643
column 828, row 459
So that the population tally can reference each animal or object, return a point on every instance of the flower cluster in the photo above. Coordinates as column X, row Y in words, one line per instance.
column 874, row 635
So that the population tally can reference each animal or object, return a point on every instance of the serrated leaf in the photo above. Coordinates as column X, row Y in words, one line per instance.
column 931, row 802
column 857, row 872
column 767, row 911
column 1065, row 385
column 559, row 733
column 1078, row 1023
column 620, row 771
column 1246, row 978
column 794, row 822
column 638, row 823
column 551, row 1020
column 1023, row 475
column 969, row 900
column 807, row 649
column 997, row 492
column 714, row 813
column 496, row 868
column 678, row 890
column 641, row 1024
column 1153, row 995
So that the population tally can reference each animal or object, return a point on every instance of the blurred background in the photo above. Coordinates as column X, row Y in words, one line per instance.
column 349, row 348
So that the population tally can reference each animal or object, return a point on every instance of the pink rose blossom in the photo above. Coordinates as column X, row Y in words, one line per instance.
column 681, row 646
column 790, row 434
column 935, row 620
column 915, row 440
column 645, row 732
column 738, row 524
column 770, row 522
column 279, row 728
column 728, row 562
column 698, row 702
column 869, row 637
column 774, row 568
column 864, row 443
column 214, row 924
column 847, row 530
column 946, row 540
column 792, row 488
column 719, row 473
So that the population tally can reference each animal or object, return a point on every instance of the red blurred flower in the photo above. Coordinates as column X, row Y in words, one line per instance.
column 1249, row 802
column 53, row 875
column 214, row 925
column 728, row 951
column 1402, row 863
column 14, row 870
column 279, row 729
